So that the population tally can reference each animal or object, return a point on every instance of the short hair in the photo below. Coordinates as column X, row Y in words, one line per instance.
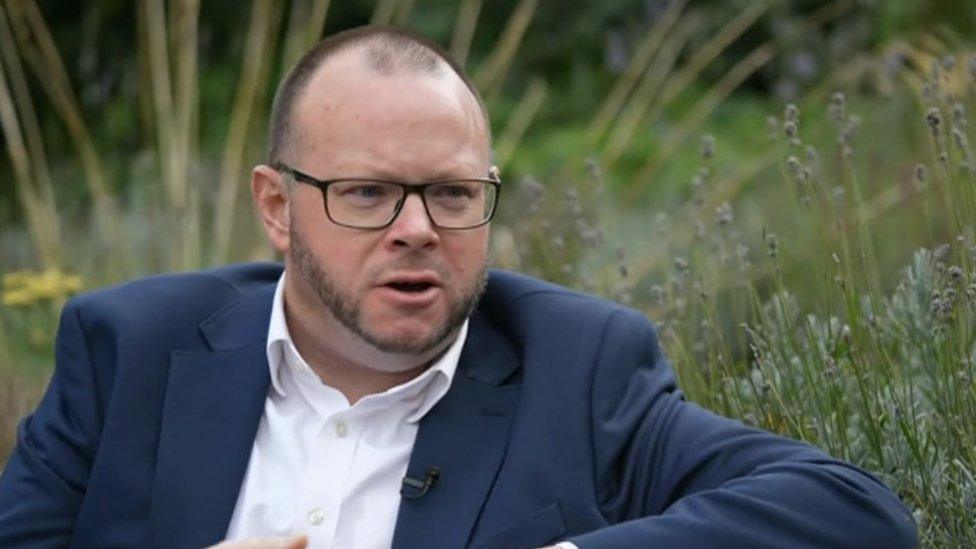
column 387, row 50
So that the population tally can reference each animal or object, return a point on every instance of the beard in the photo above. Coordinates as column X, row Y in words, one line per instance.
column 345, row 307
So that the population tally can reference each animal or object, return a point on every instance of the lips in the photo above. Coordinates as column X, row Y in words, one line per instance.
column 410, row 289
column 409, row 286
column 411, row 282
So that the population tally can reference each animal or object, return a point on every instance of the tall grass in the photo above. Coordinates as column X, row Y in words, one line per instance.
column 788, row 321
column 25, row 148
column 821, row 286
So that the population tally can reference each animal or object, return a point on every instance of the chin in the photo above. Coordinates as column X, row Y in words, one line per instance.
column 401, row 324
column 405, row 336
column 415, row 339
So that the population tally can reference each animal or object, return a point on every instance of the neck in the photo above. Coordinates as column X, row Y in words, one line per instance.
column 352, row 378
column 344, row 361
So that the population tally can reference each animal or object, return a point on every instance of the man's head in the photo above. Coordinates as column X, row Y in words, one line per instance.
column 376, row 103
column 385, row 50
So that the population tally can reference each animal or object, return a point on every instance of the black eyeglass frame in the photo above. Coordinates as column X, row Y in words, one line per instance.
column 408, row 189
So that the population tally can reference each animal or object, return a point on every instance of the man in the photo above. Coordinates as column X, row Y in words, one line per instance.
column 384, row 390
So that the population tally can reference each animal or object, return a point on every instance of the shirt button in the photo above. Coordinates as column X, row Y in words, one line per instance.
column 316, row 516
column 341, row 429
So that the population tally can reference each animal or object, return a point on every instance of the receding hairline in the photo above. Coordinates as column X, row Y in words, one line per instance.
column 382, row 50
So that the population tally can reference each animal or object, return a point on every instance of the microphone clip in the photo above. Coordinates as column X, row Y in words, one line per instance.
column 412, row 488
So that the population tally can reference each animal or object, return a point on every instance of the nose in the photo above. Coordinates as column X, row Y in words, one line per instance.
column 412, row 229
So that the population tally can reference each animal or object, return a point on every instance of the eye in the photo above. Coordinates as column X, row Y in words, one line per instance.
column 453, row 191
column 362, row 191
column 366, row 191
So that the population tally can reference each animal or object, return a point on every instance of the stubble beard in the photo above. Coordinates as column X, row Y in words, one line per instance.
column 346, row 309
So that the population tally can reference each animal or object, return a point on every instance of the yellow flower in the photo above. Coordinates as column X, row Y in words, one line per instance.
column 71, row 284
column 23, row 288
column 16, row 278
column 17, row 298
column 47, row 285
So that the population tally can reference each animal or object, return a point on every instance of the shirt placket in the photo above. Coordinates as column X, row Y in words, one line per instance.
column 327, row 478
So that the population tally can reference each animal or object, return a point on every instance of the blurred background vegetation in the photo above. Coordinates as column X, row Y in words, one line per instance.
column 786, row 187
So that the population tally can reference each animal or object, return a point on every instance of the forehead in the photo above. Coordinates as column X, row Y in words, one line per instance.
column 349, row 112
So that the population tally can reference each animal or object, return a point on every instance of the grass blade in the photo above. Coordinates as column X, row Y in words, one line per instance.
column 464, row 27
column 637, row 65
column 526, row 109
column 256, row 60
column 492, row 73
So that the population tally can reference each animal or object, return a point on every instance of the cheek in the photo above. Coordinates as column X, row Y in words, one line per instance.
column 345, row 258
column 466, row 254
column 341, row 255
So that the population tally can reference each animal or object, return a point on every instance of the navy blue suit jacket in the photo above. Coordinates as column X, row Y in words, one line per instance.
column 562, row 422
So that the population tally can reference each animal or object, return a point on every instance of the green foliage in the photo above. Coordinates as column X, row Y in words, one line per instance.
column 823, row 308
column 905, row 17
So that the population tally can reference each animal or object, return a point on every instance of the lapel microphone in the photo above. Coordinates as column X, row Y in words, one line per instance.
column 412, row 488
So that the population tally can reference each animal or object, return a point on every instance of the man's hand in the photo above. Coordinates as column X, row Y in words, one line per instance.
column 297, row 542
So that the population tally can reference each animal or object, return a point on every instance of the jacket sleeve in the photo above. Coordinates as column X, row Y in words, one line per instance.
column 44, row 480
column 671, row 474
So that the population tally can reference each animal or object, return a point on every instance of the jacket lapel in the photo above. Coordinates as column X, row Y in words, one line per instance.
column 213, row 404
column 465, row 436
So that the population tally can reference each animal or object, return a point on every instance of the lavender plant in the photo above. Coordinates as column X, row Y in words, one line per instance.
column 873, row 364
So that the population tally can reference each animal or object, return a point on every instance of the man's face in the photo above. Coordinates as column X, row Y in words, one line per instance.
column 406, row 288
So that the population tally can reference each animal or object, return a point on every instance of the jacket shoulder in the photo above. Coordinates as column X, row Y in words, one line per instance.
column 527, row 304
column 185, row 298
column 509, row 289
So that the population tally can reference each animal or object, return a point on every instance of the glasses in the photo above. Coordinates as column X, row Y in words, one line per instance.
column 366, row 203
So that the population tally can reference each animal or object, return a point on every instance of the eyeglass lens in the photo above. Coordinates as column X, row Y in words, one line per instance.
column 451, row 204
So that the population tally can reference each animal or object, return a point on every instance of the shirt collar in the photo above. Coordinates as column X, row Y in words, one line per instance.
column 442, row 372
column 434, row 382
column 278, row 336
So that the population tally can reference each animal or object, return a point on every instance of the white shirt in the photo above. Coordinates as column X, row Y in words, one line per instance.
column 326, row 469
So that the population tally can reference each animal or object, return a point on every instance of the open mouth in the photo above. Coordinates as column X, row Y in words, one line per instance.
column 410, row 287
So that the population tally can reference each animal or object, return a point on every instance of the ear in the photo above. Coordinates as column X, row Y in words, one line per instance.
column 271, row 198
